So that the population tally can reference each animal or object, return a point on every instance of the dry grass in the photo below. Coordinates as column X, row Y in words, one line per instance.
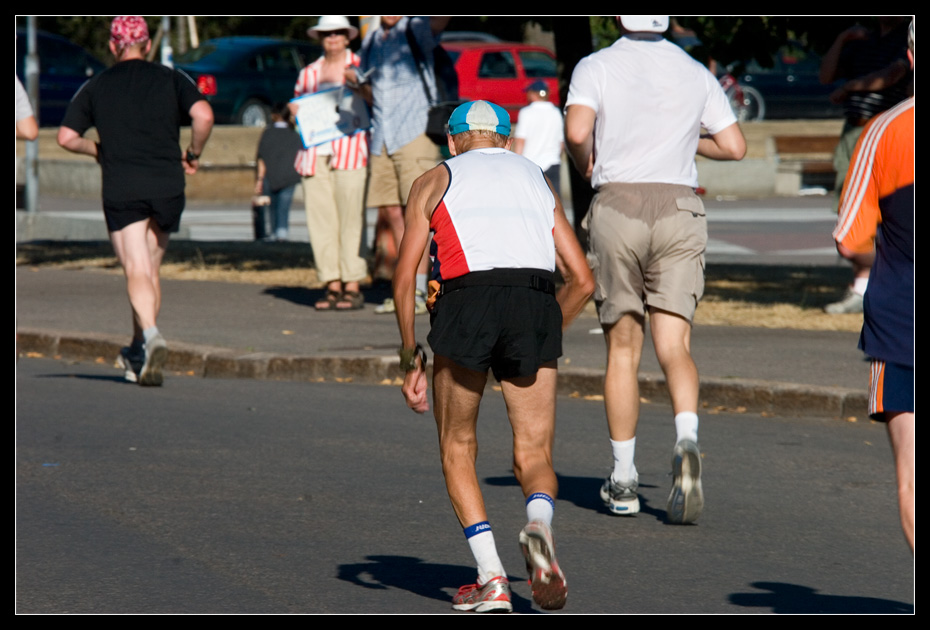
column 735, row 295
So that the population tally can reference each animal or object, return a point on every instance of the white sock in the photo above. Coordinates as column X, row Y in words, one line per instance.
column 686, row 426
column 148, row 333
column 540, row 507
column 624, row 469
column 860, row 285
column 481, row 542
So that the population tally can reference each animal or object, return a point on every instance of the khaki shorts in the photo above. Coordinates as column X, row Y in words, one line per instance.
column 647, row 245
column 393, row 175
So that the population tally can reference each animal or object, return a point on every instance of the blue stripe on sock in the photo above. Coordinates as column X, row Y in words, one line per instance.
column 477, row 528
column 540, row 495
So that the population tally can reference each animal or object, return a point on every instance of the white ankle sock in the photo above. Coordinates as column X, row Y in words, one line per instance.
column 686, row 426
column 148, row 333
column 481, row 542
column 540, row 507
column 624, row 468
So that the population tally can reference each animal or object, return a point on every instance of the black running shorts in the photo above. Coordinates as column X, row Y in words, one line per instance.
column 165, row 212
column 512, row 330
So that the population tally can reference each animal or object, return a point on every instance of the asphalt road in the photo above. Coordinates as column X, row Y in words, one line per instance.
column 247, row 496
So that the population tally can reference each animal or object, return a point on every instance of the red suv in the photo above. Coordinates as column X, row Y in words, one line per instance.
column 499, row 72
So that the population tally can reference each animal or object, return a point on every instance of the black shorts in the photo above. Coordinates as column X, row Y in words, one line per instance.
column 166, row 213
column 512, row 330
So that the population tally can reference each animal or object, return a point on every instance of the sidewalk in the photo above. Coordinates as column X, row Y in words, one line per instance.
column 221, row 330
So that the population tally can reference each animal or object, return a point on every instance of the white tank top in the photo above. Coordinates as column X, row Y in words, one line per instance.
column 498, row 213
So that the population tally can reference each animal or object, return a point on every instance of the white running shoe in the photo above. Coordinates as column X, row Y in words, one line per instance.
column 686, row 500
column 156, row 353
column 494, row 596
column 620, row 498
column 549, row 586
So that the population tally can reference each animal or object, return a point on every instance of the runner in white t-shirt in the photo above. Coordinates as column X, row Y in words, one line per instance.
column 647, row 230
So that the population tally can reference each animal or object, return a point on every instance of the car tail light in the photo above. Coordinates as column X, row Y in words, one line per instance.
column 206, row 83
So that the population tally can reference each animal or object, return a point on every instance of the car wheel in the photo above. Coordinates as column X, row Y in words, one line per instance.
column 747, row 103
column 254, row 113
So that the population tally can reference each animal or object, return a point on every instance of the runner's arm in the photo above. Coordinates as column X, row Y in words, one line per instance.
column 572, row 264
column 424, row 195
column 579, row 138
column 71, row 140
column 201, row 125
column 728, row 144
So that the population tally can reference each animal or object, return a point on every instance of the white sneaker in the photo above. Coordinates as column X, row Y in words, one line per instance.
column 851, row 303
column 549, row 586
column 620, row 498
column 686, row 500
column 385, row 307
column 156, row 353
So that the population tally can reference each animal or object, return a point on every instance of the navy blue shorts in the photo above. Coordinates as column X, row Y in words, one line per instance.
column 511, row 330
column 891, row 389
column 166, row 213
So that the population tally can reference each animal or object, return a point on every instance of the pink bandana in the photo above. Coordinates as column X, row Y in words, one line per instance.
column 127, row 30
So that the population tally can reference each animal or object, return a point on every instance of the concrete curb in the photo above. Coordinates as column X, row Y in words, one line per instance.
column 767, row 398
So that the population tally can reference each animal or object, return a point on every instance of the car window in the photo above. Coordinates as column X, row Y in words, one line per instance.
column 195, row 54
column 537, row 64
column 497, row 65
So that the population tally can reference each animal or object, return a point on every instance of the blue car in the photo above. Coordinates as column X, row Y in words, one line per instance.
column 63, row 68
column 242, row 77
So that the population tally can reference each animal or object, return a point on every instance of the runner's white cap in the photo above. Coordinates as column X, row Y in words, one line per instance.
column 645, row 23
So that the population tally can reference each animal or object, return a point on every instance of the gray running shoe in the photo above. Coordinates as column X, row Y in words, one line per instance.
column 686, row 500
column 131, row 363
column 851, row 303
column 492, row 597
column 385, row 307
column 156, row 353
column 419, row 305
column 549, row 586
column 620, row 498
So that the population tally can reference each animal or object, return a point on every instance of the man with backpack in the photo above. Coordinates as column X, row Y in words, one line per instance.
column 391, row 82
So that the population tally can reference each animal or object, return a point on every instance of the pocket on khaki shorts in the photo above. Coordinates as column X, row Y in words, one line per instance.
column 692, row 204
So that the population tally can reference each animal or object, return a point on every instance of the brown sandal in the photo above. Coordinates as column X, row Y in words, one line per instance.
column 328, row 303
column 351, row 301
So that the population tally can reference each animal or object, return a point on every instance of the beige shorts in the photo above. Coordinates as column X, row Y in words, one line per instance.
column 647, row 245
column 393, row 175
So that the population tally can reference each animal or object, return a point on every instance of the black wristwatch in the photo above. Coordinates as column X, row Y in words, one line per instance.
column 191, row 156
column 408, row 358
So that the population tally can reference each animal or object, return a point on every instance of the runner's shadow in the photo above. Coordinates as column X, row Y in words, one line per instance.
column 783, row 598
column 302, row 296
column 296, row 295
column 90, row 377
column 435, row 581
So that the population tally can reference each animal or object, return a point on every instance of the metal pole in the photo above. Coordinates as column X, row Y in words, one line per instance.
column 32, row 87
column 166, row 52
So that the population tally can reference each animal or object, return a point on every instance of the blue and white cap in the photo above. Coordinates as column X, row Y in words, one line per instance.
column 479, row 115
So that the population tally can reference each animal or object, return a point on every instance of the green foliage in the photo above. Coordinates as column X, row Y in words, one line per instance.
column 604, row 31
